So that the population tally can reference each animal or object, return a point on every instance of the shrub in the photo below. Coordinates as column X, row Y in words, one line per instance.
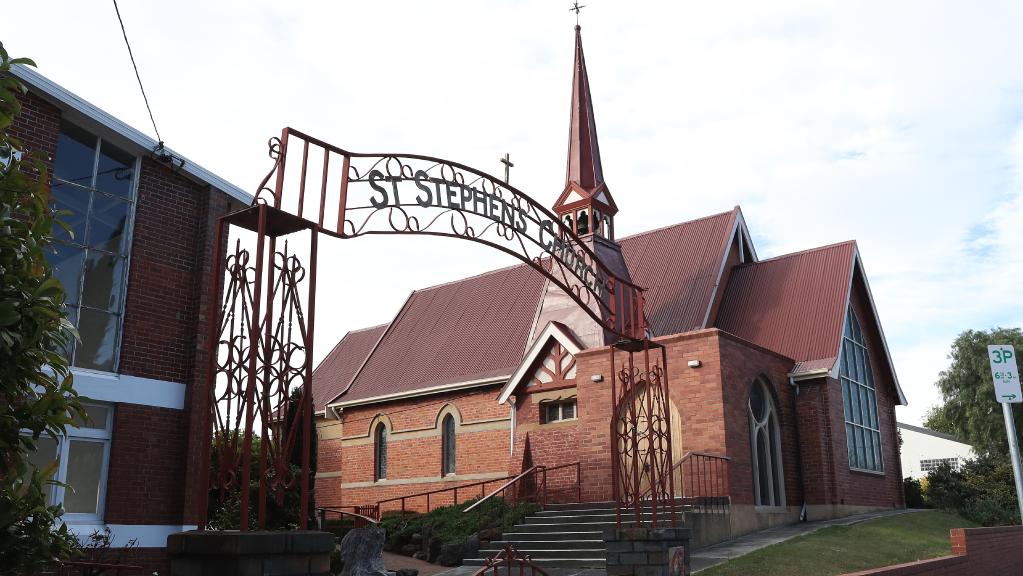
column 914, row 493
column 982, row 491
column 450, row 525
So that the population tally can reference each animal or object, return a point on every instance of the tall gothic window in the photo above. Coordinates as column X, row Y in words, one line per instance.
column 862, row 433
column 765, row 444
column 94, row 183
column 448, row 445
column 380, row 452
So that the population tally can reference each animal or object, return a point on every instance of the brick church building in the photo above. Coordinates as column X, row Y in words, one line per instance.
column 778, row 369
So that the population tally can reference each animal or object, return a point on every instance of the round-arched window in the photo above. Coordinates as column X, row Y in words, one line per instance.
column 448, row 445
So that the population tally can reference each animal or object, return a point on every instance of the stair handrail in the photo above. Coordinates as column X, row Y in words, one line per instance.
column 360, row 519
column 482, row 484
column 505, row 486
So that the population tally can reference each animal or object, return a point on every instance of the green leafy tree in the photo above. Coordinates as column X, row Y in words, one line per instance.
column 36, row 396
column 970, row 411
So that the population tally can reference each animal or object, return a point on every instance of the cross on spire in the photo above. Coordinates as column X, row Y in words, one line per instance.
column 507, row 165
column 576, row 8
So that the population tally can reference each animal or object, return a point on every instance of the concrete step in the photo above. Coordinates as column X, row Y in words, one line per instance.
column 545, row 563
column 519, row 536
column 577, row 517
column 561, row 544
column 555, row 553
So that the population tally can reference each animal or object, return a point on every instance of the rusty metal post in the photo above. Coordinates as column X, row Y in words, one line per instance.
column 213, row 311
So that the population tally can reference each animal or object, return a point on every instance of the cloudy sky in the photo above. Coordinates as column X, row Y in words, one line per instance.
column 898, row 124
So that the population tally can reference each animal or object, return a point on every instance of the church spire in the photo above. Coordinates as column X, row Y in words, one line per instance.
column 585, row 205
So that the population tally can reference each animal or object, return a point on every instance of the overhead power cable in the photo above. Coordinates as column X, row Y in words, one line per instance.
column 139, row 78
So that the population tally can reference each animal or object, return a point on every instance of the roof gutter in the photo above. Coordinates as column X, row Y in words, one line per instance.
column 420, row 392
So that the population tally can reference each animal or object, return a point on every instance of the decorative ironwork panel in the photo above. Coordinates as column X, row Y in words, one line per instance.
column 260, row 372
column 641, row 433
column 509, row 562
column 349, row 194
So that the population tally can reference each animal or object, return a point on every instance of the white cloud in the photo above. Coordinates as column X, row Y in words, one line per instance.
column 897, row 124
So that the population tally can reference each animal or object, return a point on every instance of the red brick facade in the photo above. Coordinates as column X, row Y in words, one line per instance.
column 153, row 456
column 975, row 551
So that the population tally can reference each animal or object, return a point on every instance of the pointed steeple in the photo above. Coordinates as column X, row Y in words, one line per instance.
column 585, row 204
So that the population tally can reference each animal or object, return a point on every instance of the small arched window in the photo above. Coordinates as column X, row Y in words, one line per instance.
column 380, row 452
column 448, row 445
column 765, row 447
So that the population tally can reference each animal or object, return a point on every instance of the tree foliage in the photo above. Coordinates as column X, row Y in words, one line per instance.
column 970, row 411
column 982, row 491
column 36, row 396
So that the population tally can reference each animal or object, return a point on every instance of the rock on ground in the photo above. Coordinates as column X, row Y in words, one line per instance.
column 362, row 552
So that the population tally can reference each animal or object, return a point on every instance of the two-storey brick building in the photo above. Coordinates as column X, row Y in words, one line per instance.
column 135, row 268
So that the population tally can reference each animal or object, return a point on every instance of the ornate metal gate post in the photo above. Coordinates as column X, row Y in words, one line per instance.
column 261, row 342
column 641, row 431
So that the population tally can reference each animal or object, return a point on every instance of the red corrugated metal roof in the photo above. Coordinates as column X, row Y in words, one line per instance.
column 793, row 304
column 477, row 328
column 467, row 330
column 335, row 372
column 679, row 266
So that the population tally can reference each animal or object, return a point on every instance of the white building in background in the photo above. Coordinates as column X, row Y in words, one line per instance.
column 924, row 449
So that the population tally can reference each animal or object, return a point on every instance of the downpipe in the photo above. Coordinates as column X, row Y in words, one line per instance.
column 799, row 444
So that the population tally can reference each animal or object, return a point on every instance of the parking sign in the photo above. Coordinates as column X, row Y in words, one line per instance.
column 1005, row 373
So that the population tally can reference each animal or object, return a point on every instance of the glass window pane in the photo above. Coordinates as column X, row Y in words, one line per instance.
column 45, row 455
column 762, row 455
column 97, row 417
column 115, row 170
column 756, row 402
column 868, row 461
column 877, row 450
column 849, row 444
column 864, row 415
column 845, row 398
column 103, row 275
column 866, row 369
column 857, row 335
column 107, row 222
column 854, row 395
column 872, row 403
column 861, row 454
column 98, row 331
column 69, row 347
column 84, row 468
column 568, row 410
column 72, row 203
column 76, row 155
column 67, row 268
column 858, row 364
column 776, row 479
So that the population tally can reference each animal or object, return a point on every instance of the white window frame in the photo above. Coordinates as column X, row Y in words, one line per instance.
column 561, row 410
column 103, row 435
column 129, row 231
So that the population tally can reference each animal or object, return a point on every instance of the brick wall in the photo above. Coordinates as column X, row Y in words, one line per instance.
column 145, row 482
column 345, row 462
column 975, row 551
column 38, row 126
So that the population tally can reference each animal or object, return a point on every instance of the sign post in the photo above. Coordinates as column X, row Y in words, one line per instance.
column 1007, row 391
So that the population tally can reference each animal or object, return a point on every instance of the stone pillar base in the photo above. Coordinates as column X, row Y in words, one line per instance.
column 231, row 553
column 647, row 551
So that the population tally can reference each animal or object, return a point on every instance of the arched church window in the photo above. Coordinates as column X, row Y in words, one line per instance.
column 765, row 447
column 862, row 431
column 448, row 445
column 582, row 223
column 380, row 452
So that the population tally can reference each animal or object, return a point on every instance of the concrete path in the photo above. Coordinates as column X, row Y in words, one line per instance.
column 713, row 555
column 394, row 561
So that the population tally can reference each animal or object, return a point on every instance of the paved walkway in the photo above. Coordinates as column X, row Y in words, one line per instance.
column 394, row 561
column 718, row 553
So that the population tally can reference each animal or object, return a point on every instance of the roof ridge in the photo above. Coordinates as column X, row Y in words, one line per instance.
column 659, row 229
column 800, row 252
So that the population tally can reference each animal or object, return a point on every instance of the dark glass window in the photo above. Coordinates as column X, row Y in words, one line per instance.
column 765, row 437
column 557, row 411
column 448, row 445
column 862, row 431
column 93, row 185
column 380, row 452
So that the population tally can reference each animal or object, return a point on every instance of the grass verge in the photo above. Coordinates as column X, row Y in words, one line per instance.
column 841, row 549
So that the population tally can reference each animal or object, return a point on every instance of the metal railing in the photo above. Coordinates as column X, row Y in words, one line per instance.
column 508, row 562
column 424, row 502
column 703, row 478
column 531, row 486
column 360, row 515
column 75, row 567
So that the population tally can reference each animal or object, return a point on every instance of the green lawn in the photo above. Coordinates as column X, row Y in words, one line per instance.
column 841, row 549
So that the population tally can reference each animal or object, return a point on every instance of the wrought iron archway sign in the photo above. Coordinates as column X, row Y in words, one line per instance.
column 261, row 337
